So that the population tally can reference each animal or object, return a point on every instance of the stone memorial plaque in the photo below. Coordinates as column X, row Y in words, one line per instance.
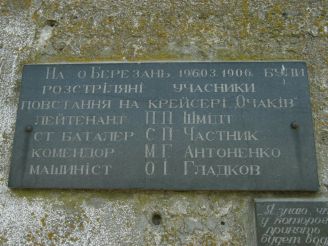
column 291, row 222
column 165, row 125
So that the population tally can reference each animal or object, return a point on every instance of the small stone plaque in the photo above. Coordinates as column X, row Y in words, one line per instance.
column 165, row 125
column 291, row 222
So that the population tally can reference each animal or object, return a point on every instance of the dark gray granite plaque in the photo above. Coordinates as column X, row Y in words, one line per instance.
column 291, row 222
column 165, row 125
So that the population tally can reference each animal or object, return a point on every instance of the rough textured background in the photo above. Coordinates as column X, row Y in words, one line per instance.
column 37, row 31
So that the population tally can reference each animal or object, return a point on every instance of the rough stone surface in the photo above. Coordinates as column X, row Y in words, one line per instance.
column 37, row 31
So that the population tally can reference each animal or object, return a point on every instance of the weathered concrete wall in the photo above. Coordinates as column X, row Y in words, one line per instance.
column 37, row 31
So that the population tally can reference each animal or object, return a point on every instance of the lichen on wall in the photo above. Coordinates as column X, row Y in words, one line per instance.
column 39, row 31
